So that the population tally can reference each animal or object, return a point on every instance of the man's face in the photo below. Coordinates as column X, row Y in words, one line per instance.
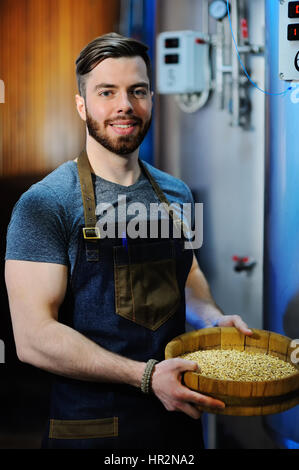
column 118, row 104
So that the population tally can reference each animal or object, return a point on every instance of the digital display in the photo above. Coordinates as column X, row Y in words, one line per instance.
column 172, row 59
column 293, row 32
column 294, row 10
column 173, row 42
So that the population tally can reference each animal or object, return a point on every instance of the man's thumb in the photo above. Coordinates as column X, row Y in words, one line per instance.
column 196, row 367
column 191, row 366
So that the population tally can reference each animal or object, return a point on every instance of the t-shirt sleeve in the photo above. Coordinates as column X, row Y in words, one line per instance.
column 37, row 230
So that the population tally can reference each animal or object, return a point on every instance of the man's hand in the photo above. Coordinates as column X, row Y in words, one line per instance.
column 167, row 386
column 236, row 321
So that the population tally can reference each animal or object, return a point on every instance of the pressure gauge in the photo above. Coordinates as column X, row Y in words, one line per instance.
column 218, row 9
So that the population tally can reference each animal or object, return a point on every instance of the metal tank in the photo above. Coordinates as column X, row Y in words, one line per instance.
column 281, row 253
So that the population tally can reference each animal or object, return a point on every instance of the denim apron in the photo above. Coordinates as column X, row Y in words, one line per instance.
column 128, row 298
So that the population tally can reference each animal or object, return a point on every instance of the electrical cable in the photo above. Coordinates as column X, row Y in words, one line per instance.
column 243, row 67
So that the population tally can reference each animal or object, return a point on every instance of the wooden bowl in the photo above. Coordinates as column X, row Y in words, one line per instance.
column 240, row 398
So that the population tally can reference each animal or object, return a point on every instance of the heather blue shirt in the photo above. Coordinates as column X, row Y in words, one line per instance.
column 45, row 221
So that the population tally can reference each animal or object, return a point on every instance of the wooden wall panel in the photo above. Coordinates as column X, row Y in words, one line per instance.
column 39, row 43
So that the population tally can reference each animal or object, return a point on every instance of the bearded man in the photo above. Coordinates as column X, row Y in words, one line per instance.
column 97, row 311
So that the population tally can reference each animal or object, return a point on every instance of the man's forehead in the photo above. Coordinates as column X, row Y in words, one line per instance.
column 112, row 70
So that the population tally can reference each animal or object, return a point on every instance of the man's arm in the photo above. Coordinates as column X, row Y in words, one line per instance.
column 201, row 302
column 35, row 291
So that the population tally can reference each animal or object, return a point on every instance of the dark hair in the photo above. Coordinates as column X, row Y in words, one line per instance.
column 109, row 45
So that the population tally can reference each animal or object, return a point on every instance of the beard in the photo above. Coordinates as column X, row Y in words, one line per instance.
column 122, row 144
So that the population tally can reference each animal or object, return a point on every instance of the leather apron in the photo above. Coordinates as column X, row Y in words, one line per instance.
column 130, row 299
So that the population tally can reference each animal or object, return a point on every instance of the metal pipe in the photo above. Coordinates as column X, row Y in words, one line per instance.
column 219, row 65
column 235, row 66
column 205, row 17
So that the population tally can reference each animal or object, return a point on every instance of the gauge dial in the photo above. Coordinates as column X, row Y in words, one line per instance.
column 218, row 9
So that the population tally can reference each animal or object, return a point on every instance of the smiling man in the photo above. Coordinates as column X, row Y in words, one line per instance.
column 97, row 312
column 132, row 128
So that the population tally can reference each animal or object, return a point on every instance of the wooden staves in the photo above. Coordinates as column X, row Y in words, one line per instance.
column 240, row 398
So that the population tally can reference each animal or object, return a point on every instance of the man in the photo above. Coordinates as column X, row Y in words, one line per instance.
column 98, row 311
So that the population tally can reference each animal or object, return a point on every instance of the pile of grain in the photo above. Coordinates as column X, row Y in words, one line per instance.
column 240, row 366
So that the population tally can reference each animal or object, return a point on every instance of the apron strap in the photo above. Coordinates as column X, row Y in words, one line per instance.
column 87, row 193
column 178, row 222
column 91, row 231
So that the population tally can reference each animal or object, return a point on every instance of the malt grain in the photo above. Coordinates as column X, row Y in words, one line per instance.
column 240, row 366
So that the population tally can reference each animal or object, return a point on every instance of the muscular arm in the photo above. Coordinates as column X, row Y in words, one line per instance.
column 201, row 302
column 35, row 291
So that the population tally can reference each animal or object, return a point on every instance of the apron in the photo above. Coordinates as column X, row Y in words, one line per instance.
column 129, row 298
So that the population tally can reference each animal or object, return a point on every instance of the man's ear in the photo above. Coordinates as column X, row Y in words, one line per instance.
column 80, row 103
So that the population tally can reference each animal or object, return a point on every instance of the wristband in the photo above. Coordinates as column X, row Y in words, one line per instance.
column 147, row 375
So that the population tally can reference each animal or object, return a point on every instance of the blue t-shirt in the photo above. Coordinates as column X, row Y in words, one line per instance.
column 46, row 219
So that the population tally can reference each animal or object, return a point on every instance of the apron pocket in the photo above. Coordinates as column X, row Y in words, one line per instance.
column 83, row 429
column 146, row 292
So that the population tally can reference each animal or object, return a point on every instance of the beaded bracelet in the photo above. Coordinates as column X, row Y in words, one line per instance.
column 147, row 375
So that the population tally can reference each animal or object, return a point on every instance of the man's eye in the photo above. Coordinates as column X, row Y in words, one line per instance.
column 104, row 93
column 140, row 92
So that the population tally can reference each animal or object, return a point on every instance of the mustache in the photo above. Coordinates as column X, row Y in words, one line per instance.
column 124, row 118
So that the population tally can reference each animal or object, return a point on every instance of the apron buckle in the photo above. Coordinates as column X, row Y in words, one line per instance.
column 91, row 233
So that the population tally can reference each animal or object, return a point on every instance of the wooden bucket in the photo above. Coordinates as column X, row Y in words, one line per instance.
column 240, row 398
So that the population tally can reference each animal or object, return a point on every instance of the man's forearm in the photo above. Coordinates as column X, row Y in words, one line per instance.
column 199, row 298
column 61, row 350
column 206, row 309
column 201, row 303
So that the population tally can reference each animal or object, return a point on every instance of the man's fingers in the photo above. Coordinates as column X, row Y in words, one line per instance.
column 190, row 396
column 204, row 400
column 191, row 411
column 241, row 325
column 235, row 320
column 193, row 399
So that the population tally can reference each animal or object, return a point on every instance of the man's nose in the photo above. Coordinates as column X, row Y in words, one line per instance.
column 124, row 104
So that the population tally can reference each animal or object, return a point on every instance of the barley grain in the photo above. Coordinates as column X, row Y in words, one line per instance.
column 240, row 366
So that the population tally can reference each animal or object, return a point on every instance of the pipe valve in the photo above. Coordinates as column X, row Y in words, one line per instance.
column 243, row 263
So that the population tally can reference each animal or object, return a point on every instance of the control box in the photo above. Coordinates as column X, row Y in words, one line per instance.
column 182, row 62
column 289, row 40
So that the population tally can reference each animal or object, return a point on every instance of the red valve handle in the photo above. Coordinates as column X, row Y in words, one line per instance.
column 236, row 258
